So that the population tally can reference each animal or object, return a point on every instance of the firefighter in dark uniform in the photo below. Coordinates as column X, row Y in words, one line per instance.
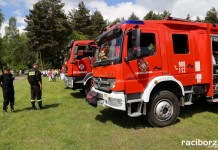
column 6, row 82
column 35, row 81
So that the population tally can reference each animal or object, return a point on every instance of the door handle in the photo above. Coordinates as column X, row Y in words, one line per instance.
column 157, row 68
column 190, row 66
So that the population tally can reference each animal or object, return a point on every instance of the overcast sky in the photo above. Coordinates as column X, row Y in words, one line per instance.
column 111, row 9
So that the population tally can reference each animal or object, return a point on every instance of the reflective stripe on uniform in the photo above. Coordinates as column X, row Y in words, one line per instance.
column 32, row 100
column 38, row 100
column 32, row 73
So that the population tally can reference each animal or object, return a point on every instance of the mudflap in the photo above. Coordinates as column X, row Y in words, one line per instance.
column 91, row 98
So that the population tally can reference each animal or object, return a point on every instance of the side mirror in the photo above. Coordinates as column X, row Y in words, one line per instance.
column 136, row 42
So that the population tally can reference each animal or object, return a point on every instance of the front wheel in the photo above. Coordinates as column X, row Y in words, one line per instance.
column 163, row 109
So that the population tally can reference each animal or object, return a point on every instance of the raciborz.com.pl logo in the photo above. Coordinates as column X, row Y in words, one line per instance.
column 199, row 142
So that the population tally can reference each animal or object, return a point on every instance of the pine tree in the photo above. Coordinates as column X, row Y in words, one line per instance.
column 48, row 31
column 117, row 20
column 152, row 16
column 211, row 16
column 97, row 24
column 133, row 17
column 198, row 19
column 80, row 20
column 165, row 14
column 188, row 17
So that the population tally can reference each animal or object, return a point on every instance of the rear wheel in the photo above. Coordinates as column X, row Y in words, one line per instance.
column 163, row 109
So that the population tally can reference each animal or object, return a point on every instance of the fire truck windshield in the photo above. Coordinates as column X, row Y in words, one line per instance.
column 68, row 53
column 109, row 50
column 76, row 49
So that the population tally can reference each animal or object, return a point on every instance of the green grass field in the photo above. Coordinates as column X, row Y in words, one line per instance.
column 68, row 122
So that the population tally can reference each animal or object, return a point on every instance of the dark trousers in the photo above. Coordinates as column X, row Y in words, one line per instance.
column 36, row 92
column 36, row 95
column 8, row 95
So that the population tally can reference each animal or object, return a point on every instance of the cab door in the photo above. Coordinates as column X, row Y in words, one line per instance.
column 139, row 71
column 180, row 52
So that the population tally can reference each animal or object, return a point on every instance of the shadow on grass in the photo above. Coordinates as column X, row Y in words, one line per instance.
column 78, row 95
column 121, row 118
column 198, row 107
column 44, row 107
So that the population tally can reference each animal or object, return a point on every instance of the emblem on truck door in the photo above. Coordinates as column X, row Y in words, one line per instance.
column 81, row 66
column 143, row 65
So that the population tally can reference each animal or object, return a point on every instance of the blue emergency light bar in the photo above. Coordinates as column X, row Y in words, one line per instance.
column 133, row 22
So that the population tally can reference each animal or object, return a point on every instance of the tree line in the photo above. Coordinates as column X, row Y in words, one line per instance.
column 49, row 30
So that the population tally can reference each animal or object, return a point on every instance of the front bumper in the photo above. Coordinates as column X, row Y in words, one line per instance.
column 69, row 81
column 114, row 100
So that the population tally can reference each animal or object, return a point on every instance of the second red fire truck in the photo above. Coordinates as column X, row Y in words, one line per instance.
column 78, row 62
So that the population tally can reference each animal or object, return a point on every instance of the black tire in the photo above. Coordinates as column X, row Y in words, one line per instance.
column 163, row 109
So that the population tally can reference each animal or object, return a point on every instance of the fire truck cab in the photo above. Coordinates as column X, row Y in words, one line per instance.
column 78, row 65
column 153, row 67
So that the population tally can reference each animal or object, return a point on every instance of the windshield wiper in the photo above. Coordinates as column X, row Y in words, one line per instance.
column 102, row 63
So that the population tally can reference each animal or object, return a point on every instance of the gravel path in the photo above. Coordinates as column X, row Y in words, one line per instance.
column 20, row 77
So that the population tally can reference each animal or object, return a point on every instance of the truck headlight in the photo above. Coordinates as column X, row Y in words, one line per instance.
column 112, row 84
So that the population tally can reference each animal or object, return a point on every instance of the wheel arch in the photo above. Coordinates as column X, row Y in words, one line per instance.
column 87, row 78
column 163, row 83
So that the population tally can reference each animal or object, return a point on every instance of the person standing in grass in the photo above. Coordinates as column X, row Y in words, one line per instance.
column 6, row 82
column 35, row 81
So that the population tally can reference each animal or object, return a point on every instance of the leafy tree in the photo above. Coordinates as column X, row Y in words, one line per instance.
column 97, row 23
column 212, row 16
column 14, row 50
column 133, row 17
column 48, row 31
column 80, row 20
column 1, row 18
column 11, row 30
column 25, row 56
column 1, row 47
column 10, row 43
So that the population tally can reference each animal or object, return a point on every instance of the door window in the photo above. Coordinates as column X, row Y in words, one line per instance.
column 147, row 45
column 180, row 44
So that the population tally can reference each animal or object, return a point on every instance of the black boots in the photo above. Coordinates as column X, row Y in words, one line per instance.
column 40, row 105
column 5, row 107
column 33, row 106
column 12, row 107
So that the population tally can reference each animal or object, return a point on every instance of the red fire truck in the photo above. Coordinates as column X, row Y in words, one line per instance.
column 153, row 67
column 78, row 64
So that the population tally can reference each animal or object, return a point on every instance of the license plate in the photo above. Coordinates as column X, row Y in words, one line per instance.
column 105, row 96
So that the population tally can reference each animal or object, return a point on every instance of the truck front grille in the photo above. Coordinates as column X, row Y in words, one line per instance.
column 102, row 84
